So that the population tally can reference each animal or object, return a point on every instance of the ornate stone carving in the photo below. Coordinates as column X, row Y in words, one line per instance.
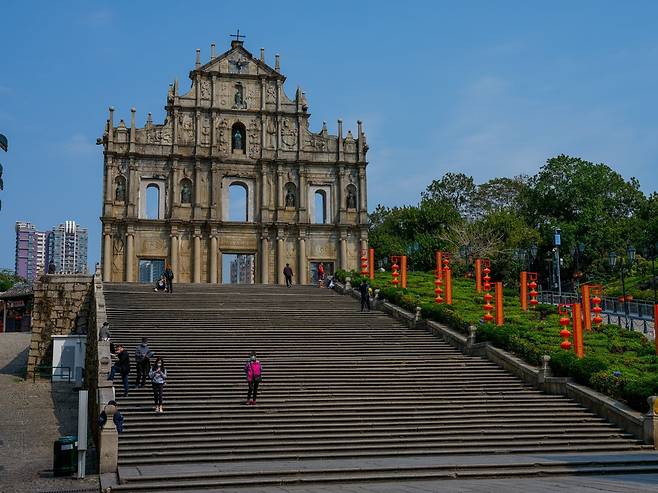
column 289, row 134
column 237, row 65
column 205, row 89
column 254, row 139
column 239, row 101
column 271, row 92
column 205, row 131
column 270, row 134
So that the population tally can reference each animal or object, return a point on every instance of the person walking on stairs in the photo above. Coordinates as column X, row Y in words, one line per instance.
column 158, row 376
column 287, row 273
column 365, row 295
column 123, row 365
column 252, row 369
column 142, row 359
column 169, row 278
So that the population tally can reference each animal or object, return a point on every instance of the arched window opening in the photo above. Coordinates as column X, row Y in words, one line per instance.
column 120, row 189
column 320, row 208
column 239, row 138
column 238, row 201
column 186, row 191
column 290, row 195
column 152, row 202
column 350, row 197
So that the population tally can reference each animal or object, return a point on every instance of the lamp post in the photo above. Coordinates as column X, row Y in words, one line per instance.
column 652, row 252
column 578, row 251
column 533, row 255
column 624, row 264
column 557, row 241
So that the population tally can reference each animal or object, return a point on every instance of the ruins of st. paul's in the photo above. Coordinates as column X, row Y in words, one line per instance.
column 233, row 170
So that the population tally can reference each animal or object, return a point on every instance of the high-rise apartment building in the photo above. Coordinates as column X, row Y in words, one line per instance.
column 67, row 248
column 65, row 245
column 30, row 251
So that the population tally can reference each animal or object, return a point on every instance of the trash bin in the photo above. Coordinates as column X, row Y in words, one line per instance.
column 65, row 455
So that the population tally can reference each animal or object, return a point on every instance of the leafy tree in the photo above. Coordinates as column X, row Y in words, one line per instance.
column 8, row 279
column 456, row 189
column 499, row 194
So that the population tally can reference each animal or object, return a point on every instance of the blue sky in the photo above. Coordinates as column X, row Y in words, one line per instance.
column 486, row 88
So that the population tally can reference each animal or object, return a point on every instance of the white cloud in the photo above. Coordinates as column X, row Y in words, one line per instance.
column 79, row 145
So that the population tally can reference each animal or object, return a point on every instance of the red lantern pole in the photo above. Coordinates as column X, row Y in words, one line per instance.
column 578, row 330
column 395, row 268
column 447, row 278
column 437, row 289
column 655, row 325
column 478, row 275
column 403, row 270
column 524, row 291
column 371, row 263
column 439, row 263
column 486, row 286
column 565, row 321
column 532, row 284
column 500, row 316
column 596, row 291
column 364, row 263
column 587, row 306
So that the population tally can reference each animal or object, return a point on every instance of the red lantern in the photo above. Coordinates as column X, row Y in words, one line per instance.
column 565, row 321
column 364, row 263
column 437, row 290
column 532, row 277
column 395, row 271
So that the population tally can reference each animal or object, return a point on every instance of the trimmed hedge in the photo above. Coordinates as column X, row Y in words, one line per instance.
column 619, row 363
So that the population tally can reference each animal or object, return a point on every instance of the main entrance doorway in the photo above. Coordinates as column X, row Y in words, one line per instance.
column 328, row 270
column 150, row 270
column 238, row 268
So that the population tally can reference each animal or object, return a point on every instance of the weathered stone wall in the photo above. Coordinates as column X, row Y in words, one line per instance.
column 62, row 305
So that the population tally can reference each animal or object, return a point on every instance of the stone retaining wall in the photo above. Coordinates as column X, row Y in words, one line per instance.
column 62, row 305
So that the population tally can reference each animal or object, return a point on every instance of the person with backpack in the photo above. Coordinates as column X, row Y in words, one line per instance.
column 169, row 278
column 365, row 295
column 287, row 273
column 123, row 365
column 117, row 419
column 142, row 358
column 253, row 371
column 158, row 376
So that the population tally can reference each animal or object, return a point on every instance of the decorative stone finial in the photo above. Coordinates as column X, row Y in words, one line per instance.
column 198, row 57
column 262, row 55
column 277, row 63
column 212, row 51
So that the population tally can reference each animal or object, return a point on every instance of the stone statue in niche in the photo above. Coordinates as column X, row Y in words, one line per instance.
column 237, row 140
column 222, row 133
column 351, row 198
column 271, row 134
column 186, row 192
column 290, row 198
column 120, row 193
column 238, row 99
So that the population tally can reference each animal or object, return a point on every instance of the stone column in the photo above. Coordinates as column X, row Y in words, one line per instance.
column 303, row 192
column 109, row 181
column 343, row 253
column 173, row 254
column 264, row 259
column 197, row 258
column 363, row 248
column 301, row 266
column 109, row 443
column 107, row 257
column 130, row 253
column 363, row 194
column 280, row 258
column 213, row 259
column 220, row 267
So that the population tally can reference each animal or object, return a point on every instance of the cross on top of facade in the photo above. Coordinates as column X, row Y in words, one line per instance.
column 237, row 36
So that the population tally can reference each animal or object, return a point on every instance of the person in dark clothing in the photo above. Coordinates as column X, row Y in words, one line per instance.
column 169, row 278
column 123, row 365
column 52, row 268
column 117, row 418
column 252, row 369
column 142, row 360
column 365, row 296
column 287, row 273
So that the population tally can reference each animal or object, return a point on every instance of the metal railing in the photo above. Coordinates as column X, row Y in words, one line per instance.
column 41, row 370
column 637, row 315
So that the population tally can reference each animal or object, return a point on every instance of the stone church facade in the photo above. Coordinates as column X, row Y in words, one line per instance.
column 234, row 132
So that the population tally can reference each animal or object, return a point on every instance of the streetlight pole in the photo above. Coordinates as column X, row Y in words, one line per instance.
column 625, row 263
column 557, row 241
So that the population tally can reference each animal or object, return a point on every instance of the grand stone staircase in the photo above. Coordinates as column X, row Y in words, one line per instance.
column 346, row 397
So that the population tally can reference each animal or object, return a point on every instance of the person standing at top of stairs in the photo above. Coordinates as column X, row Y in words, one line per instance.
column 287, row 273
column 169, row 277
column 365, row 295
column 252, row 369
